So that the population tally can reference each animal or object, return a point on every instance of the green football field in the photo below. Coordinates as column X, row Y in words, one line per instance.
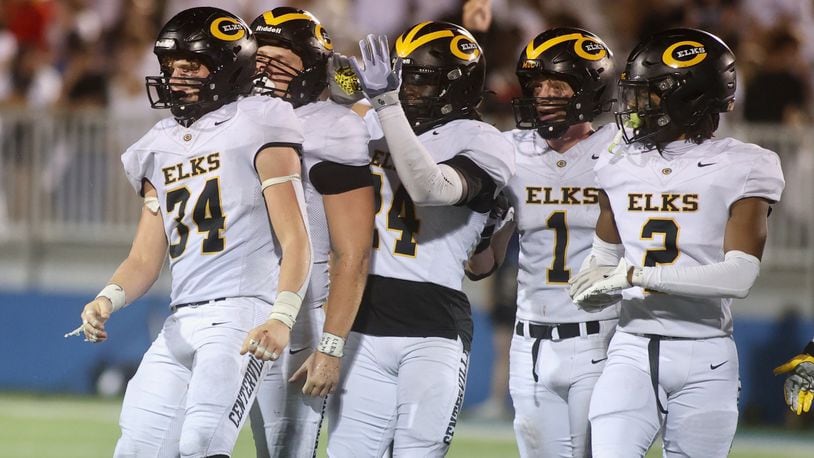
column 63, row 427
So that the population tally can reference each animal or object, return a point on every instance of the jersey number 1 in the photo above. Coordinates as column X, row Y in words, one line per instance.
column 558, row 273
column 207, row 215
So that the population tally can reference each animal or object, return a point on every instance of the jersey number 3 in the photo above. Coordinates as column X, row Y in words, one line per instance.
column 207, row 215
column 668, row 228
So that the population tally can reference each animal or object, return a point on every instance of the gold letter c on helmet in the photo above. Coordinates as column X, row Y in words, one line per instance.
column 698, row 54
column 231, row 33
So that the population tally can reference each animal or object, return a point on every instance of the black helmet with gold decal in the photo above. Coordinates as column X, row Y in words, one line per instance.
column 222, row 42
column 675, row 83
column 575, row 56
column 443, row 73
column 301, row 32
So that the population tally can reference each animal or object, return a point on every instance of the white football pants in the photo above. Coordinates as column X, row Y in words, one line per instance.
column 698, row 385
column 551, row 414
column 193, row 390
column 285, row 422
column 399, row 391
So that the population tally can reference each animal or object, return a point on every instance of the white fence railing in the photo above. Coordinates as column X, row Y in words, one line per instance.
column 62, row 182
column 791, row 225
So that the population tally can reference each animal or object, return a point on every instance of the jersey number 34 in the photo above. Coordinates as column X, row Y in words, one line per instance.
column 207, row 214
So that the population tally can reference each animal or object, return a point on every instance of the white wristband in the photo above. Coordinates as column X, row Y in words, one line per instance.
column 115, row 294
column 285, row 308
column 331, row 344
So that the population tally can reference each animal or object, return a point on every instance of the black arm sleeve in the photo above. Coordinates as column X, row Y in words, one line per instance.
column 480, row 187
column 334, row 178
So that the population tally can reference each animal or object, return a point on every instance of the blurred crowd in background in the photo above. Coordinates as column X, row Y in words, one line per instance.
column 95, row 53
column 91, row 55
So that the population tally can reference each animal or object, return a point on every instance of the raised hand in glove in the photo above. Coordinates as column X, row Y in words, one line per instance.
column 379, row 80
column 342, row 81
column 799, row 386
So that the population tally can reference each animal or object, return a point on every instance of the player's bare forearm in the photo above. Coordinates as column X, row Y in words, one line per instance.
column 747, row 227
column 137, row 273
column 606, row 223
column 134, row 276
column 488, row 260
column 348, row 276
column 350, row 255
column 500, row 242
column 287, row 215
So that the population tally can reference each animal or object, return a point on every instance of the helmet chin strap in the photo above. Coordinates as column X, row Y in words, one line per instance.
column 553, row 131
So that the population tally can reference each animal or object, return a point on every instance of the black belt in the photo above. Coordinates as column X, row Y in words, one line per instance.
column 193, row 304
column 564, row 331
column 540, row 332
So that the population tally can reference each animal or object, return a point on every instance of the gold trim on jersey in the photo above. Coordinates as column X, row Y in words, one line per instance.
column 533, row 52
column 664, row 242
column 226, row 32
column 555, row 245
column 179, row 208
column 208, row 215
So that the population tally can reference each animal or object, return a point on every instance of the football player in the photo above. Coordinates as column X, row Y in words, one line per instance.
column 436, row 168
column 799, row 386
column 292, row 55
column 558, row 350
column 689, row 212
column 213, row 176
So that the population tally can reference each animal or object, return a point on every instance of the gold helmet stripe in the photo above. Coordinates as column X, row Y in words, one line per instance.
column 533, row 52
column 667, row 56
column 268, row 16
column 406, row 44
column 214, row 29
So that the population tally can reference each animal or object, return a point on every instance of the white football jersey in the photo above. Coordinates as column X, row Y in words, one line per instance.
column 215, row 218
column 672, row 209
column 555, row 198
column 333, row 133
column 431, row 244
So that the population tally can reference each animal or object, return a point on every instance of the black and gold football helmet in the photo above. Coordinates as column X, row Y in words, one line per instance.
column 443, row 71
column 222, row 42
column 572, row 55
column 673, row 82
column 301, row 32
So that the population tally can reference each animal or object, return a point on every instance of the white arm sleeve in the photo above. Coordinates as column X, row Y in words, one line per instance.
column 427, row 183
column 604, row 253
column 733, row 277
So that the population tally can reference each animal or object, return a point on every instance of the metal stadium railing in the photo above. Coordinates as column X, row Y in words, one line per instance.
column 62, row 182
